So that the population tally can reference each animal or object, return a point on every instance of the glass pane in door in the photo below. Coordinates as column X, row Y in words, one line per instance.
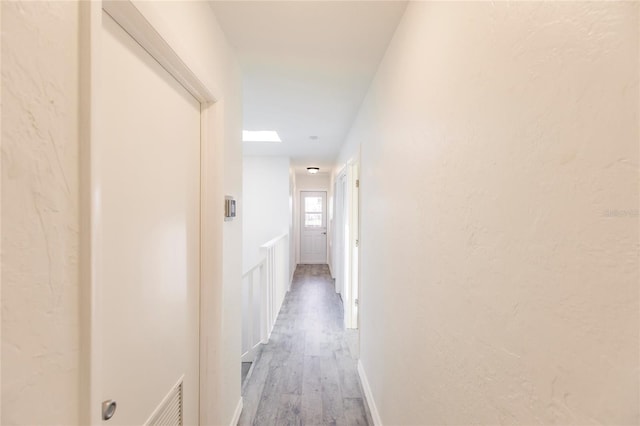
column 313, row 204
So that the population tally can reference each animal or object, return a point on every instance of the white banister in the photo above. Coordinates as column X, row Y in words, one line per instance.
column 264, row 287
column 252, row 306
column 276, row 254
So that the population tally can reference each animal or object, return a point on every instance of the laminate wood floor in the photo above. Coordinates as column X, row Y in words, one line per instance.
column 306, row 374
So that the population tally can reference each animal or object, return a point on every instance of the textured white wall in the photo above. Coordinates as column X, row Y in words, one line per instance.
column 40, row 197
column 500, row 215
column 265, row 204
column 40, row 328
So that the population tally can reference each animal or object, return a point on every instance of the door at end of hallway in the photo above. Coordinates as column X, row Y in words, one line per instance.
column 313, row 227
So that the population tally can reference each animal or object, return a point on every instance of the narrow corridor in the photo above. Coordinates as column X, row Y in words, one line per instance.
column 307, row 373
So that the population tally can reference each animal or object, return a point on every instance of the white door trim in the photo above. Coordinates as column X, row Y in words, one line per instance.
column 350, row 237
column 338, row 232
column 134, row 22
column 129, row 17
column 353, row 180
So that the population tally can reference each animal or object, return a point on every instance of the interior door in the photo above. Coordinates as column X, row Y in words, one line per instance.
column 313, row 227
column 148, row 249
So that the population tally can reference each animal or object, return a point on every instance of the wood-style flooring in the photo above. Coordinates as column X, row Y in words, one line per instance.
column 306, row 374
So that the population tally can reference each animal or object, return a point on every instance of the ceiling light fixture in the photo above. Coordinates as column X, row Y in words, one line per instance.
column 260, row 136
column 313, row 170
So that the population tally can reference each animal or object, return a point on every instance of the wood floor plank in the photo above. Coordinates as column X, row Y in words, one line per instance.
column 332, row 405
column 289, row 412
column 349, row 381
column 312, row 381
column 311, row 403
column 312, row 391
column 267, row 411
column 292, row 383
column 354, row 412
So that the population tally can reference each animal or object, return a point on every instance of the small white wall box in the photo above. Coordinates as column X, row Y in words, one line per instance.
column 229, row 208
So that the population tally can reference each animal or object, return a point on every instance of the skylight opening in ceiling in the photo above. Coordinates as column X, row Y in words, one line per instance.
column 260, row 136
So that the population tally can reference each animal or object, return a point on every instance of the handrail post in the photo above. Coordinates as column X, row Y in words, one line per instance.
column 250, row 315
column 264, row 326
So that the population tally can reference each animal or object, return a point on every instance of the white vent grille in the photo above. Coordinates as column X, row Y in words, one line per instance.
column 169, row 412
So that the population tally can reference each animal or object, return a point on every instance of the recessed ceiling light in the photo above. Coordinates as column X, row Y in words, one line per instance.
column 313, row 138
column 260, row 136
column 313, row 170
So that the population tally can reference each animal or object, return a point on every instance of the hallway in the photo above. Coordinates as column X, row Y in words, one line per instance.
column 307, row 372
column 170, row 170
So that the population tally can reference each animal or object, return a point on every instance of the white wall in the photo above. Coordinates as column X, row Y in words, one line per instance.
column 292, row 243
column 40, row 312
column 0, row 226
column 500, row 194
column 40, row 199
column 317, row 182
column 265, row 205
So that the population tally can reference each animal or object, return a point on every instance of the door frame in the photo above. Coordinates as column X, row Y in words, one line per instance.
column 352, row 244
column 326, row 223
column 339, row 233
column 348, row 239
column 139, row 27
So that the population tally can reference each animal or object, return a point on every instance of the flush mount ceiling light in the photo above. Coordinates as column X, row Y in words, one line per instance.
column 313, row 170
column 260, row 136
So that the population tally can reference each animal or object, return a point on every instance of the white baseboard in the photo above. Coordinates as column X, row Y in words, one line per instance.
column 375, row 416
column 250, row 355
column 236, row 414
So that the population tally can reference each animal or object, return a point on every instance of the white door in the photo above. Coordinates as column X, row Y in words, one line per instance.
column 313, row 227
column 148, row 239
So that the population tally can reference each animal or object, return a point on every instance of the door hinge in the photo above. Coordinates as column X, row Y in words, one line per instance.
column 357, row 243
column 356, row 302
column 357, row 183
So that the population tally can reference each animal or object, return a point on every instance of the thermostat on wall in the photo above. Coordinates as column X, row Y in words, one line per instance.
column 229, row 208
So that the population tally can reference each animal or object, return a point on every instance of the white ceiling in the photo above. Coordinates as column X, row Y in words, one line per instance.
column 306, row 68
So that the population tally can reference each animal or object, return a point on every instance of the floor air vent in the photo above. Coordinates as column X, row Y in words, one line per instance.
column 169, row 412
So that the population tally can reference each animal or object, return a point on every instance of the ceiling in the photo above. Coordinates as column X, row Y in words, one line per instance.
column 306, row 68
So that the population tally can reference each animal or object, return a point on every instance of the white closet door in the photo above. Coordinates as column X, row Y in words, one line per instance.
column 148, row 249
